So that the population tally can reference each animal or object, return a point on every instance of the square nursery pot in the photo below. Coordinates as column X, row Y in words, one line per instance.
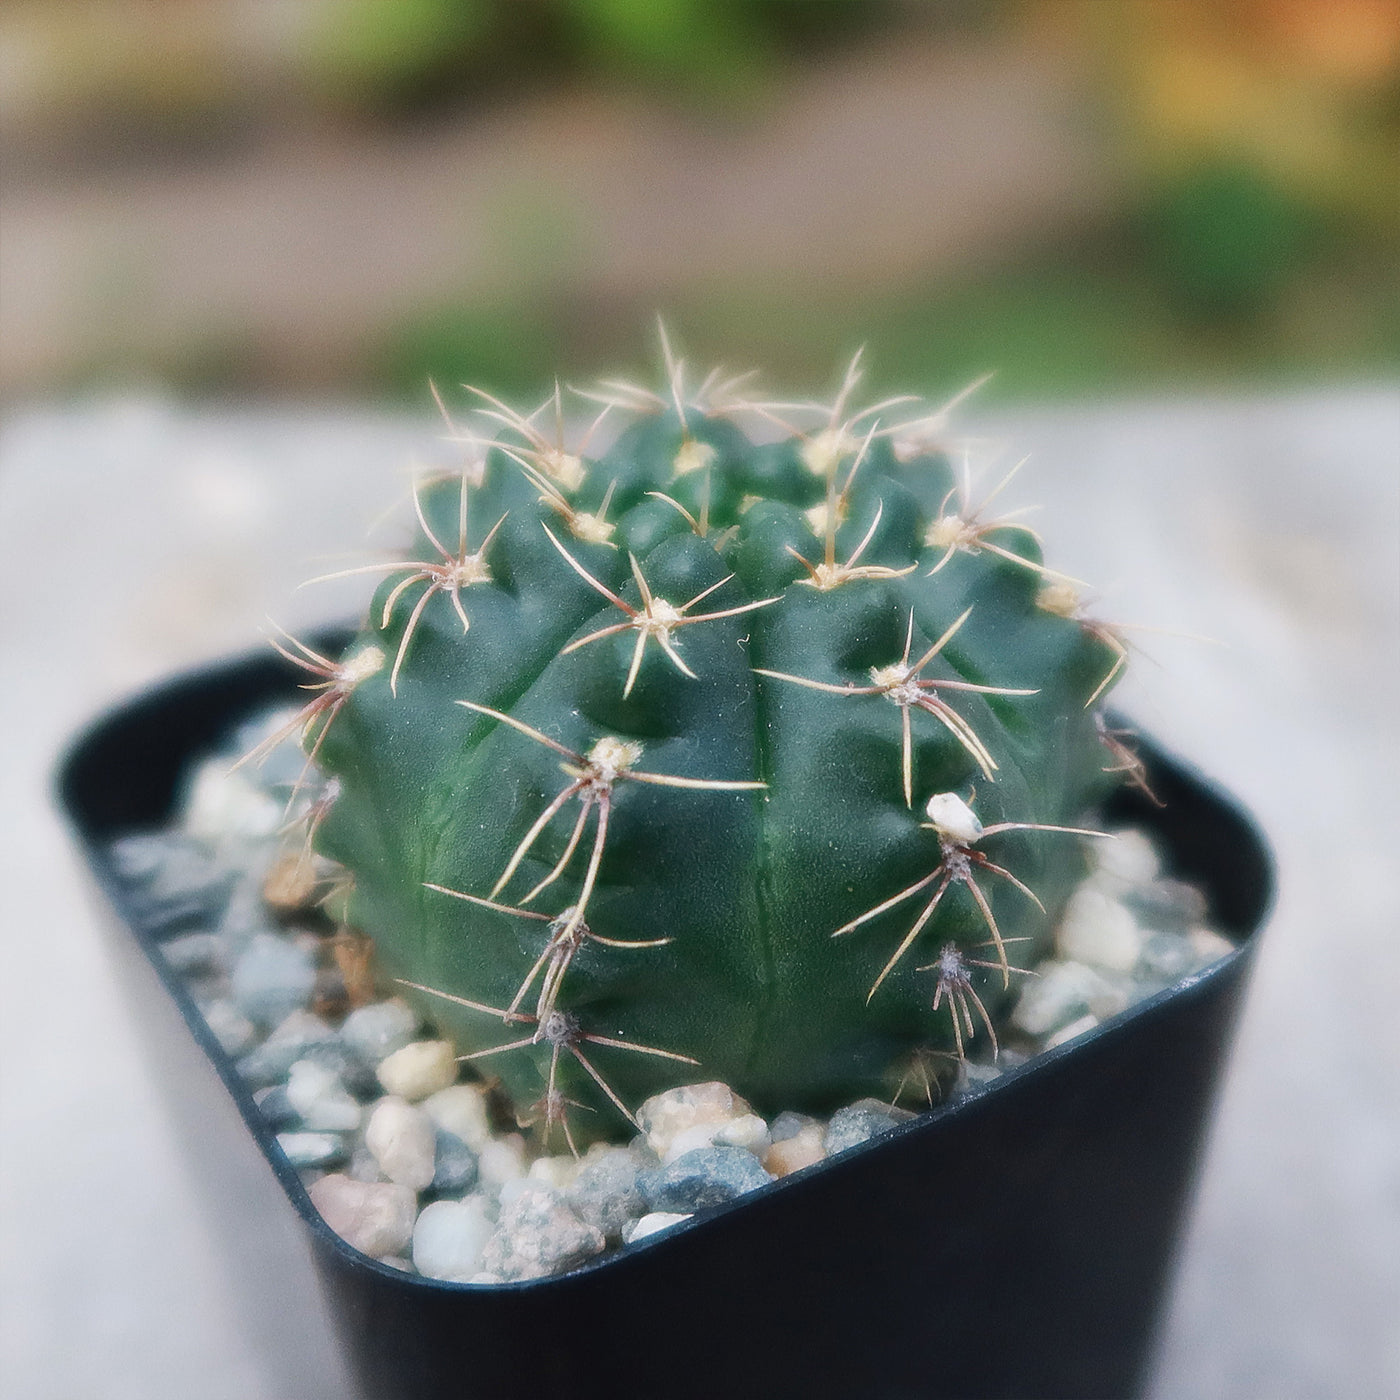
column 1014, row 1242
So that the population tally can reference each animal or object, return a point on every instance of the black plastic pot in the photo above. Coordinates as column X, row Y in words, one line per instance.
column 1014, row 1243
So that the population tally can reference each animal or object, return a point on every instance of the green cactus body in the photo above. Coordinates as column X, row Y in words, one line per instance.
column 736, row 890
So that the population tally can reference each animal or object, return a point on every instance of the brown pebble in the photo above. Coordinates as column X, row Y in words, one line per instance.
column 802, row 1149
column 354, row 956
column 291, row 883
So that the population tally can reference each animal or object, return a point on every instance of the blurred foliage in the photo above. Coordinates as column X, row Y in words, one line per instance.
column 1254, row 125
column 381, row 54
column 91, row 72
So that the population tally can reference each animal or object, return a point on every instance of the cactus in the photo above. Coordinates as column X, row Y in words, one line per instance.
column 630, row 738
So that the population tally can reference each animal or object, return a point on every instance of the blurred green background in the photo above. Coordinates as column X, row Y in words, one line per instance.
column 336, row 197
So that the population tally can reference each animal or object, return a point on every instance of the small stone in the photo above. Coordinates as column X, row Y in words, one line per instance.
column 538, row 1235
column 291, row 883
column 1129, row 858
column 1069, row 1032
column 556, row 1172
column 651, row 1224
column 461, row 1109
column 376, row 1031
column 1167, row 904
column 501, row 1161
column 419, row 1069
column 374, row 1217
column 235, row 1033
column 605, row 1192
column 363, row 1166
column 788, row 1124
column 194, row 954
column 245, row 916
column 1062, row 993
column 454, row 1163
column 313, row 1149
column 860, row 1122
column 275, row 1107
column 699, row 1111
column 1209, row 947
column 1166, row 957
column 272, row 978
column 804, row 1148
column 221, row 804
column 293, row 1039
column 403, row 1141
column 703, row 1177
column 974, row 1078
column 283, row 765
column 320, row 1098
column 179, row 882
column 1098, row 930
column 748, row 1131
column 449, row 1237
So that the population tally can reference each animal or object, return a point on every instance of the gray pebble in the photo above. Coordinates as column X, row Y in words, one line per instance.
column 788, row 1124
column 275, row 1107
column 313, row 1149
column 272, row 978
column 376, row 1031
column 235, row 1033
column 177, row 881
column 861, row 1122
column 606, row 1192
column 538, row 1235
column 704, row 1176
column 1167, row 904
column 454, row 1164
column 246, row 915
column 296, row 1038
column 192, row 954
column 1166, row 957
column 362, row 1165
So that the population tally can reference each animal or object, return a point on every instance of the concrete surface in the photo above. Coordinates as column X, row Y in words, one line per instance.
column 135, row 538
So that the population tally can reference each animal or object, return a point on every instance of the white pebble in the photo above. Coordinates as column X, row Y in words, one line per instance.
column 1069, row 1032
column 373, row 1217
column 1099, row 930
column 223, row 804
column 448, row 1239
column 1129, row 858
column 651, row 1224
column 461, row 1110
column 419, row 1069
column 402, row 1141
column 320, row 1099
column 1209, row 946
column 558, row 1172
column 1062, row 993
column 500, row 1161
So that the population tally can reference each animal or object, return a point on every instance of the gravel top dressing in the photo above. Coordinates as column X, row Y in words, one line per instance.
column 418, row 1160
